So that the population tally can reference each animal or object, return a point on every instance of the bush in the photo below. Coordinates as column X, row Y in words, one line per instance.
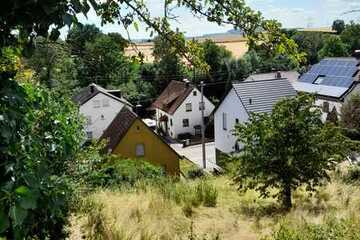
column 353, row 174
column 331, row 229
column 195, row 173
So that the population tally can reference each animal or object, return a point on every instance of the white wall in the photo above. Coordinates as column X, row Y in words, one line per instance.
column 194, row 116
column 99, row 124
column 320, row 102
column 234, row 109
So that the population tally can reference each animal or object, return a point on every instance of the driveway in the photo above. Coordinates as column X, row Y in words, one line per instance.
column 194, row 154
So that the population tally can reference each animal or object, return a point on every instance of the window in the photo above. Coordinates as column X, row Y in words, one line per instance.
column 105, row 102
column 88, row 120
column 188, row 107
column 224, row 121
column 140, row 150
column 319, row 80
column 326, row 107
column 201, row 106
column 236, row 121
column 194, row 93
column 237, row 147
column 185, row 122
column 89, row 135
column 171, row 123
column 96, row 103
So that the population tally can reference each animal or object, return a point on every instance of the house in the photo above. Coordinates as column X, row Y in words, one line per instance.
column 332, row 80
column 130, row 137
column 243, row 99
column 99, row 106
column 177, row 109
column 292, row 76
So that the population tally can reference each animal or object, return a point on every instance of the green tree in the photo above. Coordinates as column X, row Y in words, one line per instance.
column 333, row 47
column 54, row 66
column 104, row 63
column 79, row 35
column 350, row 36
column 338, row 26
column 288, row 148
column 350, row 113
column 310, row 43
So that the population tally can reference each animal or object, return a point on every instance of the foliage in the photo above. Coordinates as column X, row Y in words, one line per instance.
column 40, row 134
column 333, row 47
column 350, row 36
column 287, row 148
column 310, row 43
column 332, row 229
column 339, row 26
column 96, row 169
column 332, row 117
column 54, row 66
column 79, row 35
column 350, row 113
column 353, row 174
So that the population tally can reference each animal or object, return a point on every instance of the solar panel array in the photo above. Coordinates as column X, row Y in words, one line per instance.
column 335, row 72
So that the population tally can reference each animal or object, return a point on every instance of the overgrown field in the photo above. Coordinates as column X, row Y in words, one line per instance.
column 211, row 208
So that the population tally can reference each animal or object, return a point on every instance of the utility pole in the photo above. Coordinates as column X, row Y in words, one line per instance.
column 202, row 107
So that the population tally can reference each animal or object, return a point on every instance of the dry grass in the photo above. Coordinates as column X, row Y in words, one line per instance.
column 146, row 213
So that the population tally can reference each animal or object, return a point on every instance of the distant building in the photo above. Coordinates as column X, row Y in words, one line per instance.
column 177, row 109
column 99, row 106
column 129, row 137
column 333, row 80
column 292, row 76
column 244, row 98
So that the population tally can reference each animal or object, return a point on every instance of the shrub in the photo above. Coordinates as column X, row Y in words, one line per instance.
column 195, row 173
column 353, row 174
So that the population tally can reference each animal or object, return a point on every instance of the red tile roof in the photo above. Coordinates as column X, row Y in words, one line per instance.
column 172, row 97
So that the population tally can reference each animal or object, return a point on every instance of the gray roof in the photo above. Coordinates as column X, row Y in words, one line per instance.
column 292, row 76
column 261, row 96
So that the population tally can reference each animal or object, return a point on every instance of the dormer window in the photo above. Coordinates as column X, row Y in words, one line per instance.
column 319, row 80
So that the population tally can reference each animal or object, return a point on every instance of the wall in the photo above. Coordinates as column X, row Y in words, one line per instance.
column 194, row 116
column 156, row 150
column 232, row 106
column 320, row 102
column 98, row 125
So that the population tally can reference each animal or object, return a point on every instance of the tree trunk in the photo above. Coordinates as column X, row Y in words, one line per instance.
column 287, row 197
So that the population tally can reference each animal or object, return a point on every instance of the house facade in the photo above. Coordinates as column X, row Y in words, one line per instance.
column 178, row 109
column 333, row 81
column 99, row 107
column 128, row 136
column 243, row 99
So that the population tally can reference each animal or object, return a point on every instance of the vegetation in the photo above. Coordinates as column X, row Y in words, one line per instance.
column 338, row 26
column 288, row 148
column 333, row 47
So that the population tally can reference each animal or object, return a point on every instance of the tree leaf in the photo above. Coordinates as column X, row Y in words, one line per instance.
column 54, row 35
column 4, row 221
column 18, row 215
column 136, row 26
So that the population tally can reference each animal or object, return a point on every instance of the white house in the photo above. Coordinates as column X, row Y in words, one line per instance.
column 244, row 98
column 99, row 106
column 177, row 109
column 333, row 81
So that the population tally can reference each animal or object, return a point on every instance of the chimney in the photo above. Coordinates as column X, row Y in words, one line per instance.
column 278, row 75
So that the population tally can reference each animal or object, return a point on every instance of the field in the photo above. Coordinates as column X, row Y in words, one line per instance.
column 212, row 208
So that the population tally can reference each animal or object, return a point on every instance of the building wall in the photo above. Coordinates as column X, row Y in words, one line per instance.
column 320, row 102
column 156, row 151
column 194, row 116
column 98, row 123
column 224, row 139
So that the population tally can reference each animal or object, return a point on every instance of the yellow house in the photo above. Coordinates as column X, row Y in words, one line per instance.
column 130, row 137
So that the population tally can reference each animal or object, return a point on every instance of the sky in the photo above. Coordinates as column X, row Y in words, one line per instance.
column 291, row 13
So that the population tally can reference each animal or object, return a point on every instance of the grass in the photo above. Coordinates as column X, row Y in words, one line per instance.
column 211, row 208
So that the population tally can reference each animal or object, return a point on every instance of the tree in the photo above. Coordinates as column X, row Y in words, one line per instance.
column 338, row 26
column 79, row 35
column 287, row 148
column 168, row 61
column 350, row 113
column 332, row 117
column 54, row 66
column 333, row 47
column 104, row 63
column 310, row 43
column 350, row 36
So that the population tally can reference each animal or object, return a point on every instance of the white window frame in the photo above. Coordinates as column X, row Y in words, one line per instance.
column 224, row 121
column 140, row 150
column 97, row 103
column 185, row 120
column 188, row 107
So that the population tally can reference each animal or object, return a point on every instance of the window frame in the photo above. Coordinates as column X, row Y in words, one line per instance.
column 142, row 154
column 187, row 109
column 185, row 120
